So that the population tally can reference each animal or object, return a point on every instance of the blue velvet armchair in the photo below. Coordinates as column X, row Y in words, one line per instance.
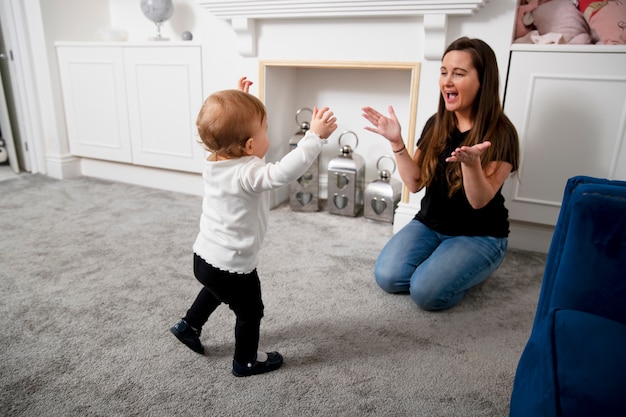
column 574, row 363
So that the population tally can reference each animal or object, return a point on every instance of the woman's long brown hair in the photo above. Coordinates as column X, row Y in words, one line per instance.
column 489, row 121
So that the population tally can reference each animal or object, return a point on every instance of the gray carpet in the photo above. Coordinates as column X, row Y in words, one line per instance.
column 93, row 274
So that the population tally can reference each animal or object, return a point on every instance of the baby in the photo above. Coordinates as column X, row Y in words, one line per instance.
column 232, row 125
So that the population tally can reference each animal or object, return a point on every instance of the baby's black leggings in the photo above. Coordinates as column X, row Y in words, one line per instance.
column 242, row 293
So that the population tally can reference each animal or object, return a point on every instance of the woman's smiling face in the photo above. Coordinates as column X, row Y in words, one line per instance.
column 459, row 84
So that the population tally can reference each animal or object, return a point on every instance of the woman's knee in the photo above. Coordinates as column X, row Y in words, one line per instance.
column 386, row 279
column 383, row 282
column 431, row 300
column 430, row 303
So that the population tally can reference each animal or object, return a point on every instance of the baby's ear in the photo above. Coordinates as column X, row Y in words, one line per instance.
column 248, row 147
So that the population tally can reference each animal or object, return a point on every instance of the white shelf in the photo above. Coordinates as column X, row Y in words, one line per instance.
column 273, row 9
column 593, row 48
column 243, row 15
column 126, row 44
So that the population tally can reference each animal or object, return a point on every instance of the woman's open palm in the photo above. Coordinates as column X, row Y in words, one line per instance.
column 388, row 127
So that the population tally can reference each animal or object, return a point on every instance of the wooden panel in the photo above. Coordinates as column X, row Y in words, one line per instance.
column 570, row 112
column 95, row 102
column 164, row 97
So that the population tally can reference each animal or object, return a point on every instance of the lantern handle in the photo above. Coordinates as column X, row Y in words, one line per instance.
column 386, row 157
column 349, row 132
column 298, row 114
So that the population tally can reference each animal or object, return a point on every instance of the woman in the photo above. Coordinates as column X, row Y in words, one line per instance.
column 465, row 153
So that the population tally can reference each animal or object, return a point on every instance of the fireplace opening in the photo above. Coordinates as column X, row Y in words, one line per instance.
column 346, row 87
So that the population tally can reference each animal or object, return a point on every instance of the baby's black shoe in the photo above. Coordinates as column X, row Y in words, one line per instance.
column 188, row 335
column 273, row 362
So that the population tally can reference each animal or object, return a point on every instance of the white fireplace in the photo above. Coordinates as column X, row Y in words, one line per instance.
column 243, row 15
column 363, row 65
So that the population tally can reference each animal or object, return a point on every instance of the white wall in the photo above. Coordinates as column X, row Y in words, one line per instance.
column 362, row 39
column 385, row 39
column 345, row 39
column 56, row 27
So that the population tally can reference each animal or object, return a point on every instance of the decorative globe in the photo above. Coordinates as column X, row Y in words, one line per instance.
column 157, row 11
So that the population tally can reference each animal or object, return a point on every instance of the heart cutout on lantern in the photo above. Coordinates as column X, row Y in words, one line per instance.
column 340, row 201
column 305, row 180
column 304, row 198
column 378, row 206
column 342, row 180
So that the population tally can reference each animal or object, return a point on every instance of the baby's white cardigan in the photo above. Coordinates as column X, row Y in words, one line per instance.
column 235, row 207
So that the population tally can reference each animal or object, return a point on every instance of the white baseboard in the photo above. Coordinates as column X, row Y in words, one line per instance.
column 530, row 236
column 163, row 179
column 62, row 167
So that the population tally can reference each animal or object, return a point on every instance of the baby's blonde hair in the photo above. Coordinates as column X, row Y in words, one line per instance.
column 227, row 119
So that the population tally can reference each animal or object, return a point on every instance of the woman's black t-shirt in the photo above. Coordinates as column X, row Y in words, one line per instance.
column 454, row 216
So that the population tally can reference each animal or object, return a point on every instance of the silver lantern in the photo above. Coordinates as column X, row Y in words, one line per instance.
column 382, row 195
column 304, row 192
column 346, row 177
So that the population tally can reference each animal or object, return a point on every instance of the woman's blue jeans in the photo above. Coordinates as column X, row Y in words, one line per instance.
column 435, row 269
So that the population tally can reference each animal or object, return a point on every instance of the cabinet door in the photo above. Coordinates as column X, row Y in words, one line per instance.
column 95, row 102
column 570, row 112
column 164, row 87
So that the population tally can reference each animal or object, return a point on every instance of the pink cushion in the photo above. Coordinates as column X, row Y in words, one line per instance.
column 607, row 20
column 561, row 16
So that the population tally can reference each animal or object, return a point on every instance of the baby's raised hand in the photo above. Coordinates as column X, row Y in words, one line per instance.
column 244, row 84
column 323, row 122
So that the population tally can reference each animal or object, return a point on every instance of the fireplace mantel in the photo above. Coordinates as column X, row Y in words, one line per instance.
column 243, row 15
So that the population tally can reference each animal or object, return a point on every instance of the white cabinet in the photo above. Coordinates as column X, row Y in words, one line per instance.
column 94, row 95
column 133, row 103
column 569, row 107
